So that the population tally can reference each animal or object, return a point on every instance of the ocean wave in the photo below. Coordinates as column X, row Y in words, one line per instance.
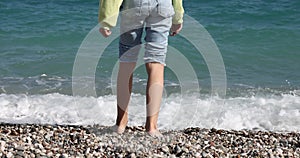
column 273, row 112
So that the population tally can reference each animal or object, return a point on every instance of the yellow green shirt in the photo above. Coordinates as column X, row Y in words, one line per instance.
column 109, row 11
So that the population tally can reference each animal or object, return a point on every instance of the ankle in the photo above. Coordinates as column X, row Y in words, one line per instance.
column 122, row 120
column 150, row 128
column 121, row 123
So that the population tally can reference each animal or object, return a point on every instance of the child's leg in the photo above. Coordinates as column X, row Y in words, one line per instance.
column 157, row 31
column 124, row 86
column 129, row 47
column 154, row 93
column 155, row 68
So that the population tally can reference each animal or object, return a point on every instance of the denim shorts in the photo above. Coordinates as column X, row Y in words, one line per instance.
column 153, row 16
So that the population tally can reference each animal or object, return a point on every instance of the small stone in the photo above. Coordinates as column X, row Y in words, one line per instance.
column 274, row 140
column 198, row 146
column 5, row 131
column 132, row 155
column 63, row 156
column 119, row 156
column 279, row 151
column 50, row 154
column 270, row 153
column 14, row 133
column 40, row 146
column 172, row 156
column 245, row 133
column 20, row 153
column 2, row 146
column 165, row 149
column 157, row 155
column 197, row 155
column 296, row 154
column 209, row 156
column 204, row 154
column 9, row 155
column 19, row 148
column 48, row 137
column 37, row 151
column 184, row 149
column 290, row 154
column 244, row 154
column 42, row 132
column 177, row 149
column 28, row 140
column 43, row 152
column 87, row 151
column 71, row 152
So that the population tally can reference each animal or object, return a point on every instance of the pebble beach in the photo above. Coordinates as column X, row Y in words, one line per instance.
column 34, row 140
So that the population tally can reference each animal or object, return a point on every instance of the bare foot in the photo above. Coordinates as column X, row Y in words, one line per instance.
column 155, row 133
column 117, row 129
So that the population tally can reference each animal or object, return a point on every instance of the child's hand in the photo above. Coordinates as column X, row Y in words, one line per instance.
column 105, row 32
column 175, row 29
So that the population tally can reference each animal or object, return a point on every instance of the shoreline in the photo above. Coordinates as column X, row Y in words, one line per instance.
column 43, row 140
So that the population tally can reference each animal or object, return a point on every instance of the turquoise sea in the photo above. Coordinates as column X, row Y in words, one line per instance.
column 259, row 42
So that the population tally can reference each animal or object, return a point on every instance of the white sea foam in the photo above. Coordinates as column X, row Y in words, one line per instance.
column 276, row 113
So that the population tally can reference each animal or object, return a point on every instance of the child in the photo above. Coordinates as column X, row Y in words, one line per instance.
column 158, row 18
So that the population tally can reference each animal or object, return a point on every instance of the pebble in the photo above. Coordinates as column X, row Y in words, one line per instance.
column 197, row 155
column 132, row 155
column 165, row 149
column 97, row 141
column 2, row 146
column 50, row 154
column 9, row 155
column 20, row 153
column 204, row 154
column 177, row 149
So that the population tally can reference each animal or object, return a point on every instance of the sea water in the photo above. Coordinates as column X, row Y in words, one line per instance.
column 258, row 41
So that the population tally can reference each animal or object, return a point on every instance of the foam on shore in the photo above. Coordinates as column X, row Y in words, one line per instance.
column 272, row 113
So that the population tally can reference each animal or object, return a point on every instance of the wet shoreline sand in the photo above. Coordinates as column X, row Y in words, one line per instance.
column 38, row 140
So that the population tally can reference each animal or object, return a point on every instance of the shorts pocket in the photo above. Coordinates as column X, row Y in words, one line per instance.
column 131, row 7
column 165, row 8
